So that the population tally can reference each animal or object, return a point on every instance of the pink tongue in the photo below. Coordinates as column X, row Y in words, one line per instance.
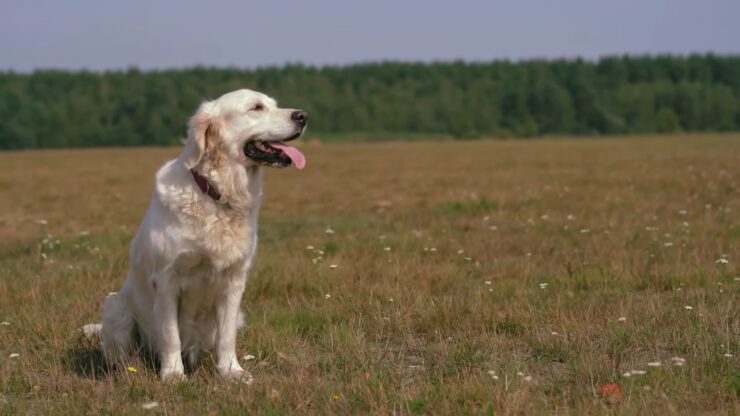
column 294, row 154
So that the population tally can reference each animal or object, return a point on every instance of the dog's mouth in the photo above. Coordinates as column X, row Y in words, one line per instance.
column 275, row 153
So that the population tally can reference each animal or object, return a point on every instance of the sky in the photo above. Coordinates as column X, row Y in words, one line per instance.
column 102, row 35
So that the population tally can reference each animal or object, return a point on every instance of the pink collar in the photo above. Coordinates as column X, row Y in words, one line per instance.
column 205, row 186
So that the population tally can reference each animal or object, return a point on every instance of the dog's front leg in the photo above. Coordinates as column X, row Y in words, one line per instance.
column 165, row 312
column 227, row 317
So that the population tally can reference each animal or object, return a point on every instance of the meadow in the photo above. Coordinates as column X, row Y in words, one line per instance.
column 550, row 276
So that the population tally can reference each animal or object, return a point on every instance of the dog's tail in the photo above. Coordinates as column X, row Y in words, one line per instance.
column 93, row 331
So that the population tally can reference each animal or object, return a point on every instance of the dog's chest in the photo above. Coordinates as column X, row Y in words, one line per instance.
column 203, row 276
column 202, row 272
column 221, row 234
column 223, row 243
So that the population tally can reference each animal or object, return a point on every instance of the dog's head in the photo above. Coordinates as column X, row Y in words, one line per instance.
column 244, row 127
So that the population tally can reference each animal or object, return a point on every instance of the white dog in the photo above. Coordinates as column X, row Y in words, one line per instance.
column 191, row 256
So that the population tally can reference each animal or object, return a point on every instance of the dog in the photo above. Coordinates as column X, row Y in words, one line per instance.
column 194, row 250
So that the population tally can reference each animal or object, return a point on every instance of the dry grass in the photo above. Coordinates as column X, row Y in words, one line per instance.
column 460, row 266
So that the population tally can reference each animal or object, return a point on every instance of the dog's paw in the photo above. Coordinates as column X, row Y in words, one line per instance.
column 172, row 375
column 237, row 374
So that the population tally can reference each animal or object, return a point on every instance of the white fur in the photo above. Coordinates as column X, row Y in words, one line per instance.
column 191, row 256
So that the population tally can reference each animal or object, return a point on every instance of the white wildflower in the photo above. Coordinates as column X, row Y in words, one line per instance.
column 638, row 372
column 42, row 222
column 654, row 364
column 333, row 266
column 149, row 405
column 248, row 357
column 722, row 261
column 678, row 361
column 386, row 248
column 309, row 247
column 328, row 231
column 622, row 319
column 327, row 296
column 688, row 307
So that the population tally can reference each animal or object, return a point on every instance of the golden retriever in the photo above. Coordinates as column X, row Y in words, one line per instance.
column 196, row 245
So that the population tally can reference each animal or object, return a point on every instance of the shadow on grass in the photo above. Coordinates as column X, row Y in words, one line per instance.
column 85, row 359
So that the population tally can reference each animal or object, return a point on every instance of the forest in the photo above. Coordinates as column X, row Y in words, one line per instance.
column 387, row 100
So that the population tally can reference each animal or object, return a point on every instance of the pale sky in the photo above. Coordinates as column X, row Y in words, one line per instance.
column 98, row 35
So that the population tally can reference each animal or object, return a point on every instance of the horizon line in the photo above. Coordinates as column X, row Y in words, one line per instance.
column 374, row 62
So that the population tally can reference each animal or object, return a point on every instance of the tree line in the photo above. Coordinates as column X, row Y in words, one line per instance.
column 614, row 95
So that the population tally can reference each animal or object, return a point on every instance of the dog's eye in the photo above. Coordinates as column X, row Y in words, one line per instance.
column 257, row 107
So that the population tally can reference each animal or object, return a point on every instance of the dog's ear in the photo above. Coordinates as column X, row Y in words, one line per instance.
column 202, row 132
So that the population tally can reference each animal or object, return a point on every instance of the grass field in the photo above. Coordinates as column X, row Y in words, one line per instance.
column 486, row 277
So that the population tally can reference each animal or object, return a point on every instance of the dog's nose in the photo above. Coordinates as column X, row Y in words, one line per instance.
column 300, row 117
